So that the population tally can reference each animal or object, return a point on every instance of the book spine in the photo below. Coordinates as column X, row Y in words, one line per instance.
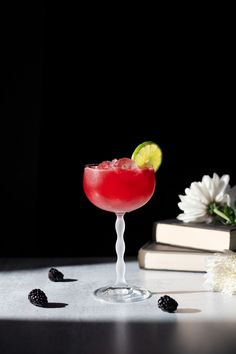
column 141, row 256
column 154, row 232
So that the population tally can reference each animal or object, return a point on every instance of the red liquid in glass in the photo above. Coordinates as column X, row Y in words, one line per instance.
column 118, row 190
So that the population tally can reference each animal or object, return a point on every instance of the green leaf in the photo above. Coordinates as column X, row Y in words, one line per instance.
column 222, row 213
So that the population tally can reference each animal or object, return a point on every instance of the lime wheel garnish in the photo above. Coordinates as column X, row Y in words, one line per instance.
column 147, row 154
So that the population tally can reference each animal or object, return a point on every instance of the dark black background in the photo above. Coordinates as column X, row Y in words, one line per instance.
column 81, row 86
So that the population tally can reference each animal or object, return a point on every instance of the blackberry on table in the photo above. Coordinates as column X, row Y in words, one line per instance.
column 55, row 275
column 38, row 298
column 167, row 303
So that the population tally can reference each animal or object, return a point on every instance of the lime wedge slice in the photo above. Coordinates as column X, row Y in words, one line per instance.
column 147, row 154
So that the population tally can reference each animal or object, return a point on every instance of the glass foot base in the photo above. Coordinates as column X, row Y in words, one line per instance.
column 122, row 295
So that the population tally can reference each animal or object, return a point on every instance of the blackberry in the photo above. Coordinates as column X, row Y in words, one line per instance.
column 37, row 297
column 167, row 303
column 55, row 275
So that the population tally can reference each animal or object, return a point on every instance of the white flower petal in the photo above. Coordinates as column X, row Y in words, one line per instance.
column 186, row 208
column 216, row 179
column 186, row 218
column 207, row 188
column 192, row 194
column 207, row 182
column 182, row 197
column 220, row 190
column 198, row 190
column 197, row 198
column 191, row 204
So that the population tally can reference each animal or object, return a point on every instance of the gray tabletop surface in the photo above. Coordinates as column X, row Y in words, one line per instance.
column 76, row 322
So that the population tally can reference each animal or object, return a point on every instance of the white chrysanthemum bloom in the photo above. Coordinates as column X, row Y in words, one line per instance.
column 221, row 272
column 200, row 195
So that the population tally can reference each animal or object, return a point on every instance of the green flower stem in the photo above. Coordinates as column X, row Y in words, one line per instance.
column 221, row 214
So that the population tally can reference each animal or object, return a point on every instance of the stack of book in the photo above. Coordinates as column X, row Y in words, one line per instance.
column 185, row 246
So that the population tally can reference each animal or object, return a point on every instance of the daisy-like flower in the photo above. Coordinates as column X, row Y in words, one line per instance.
column 209, row 200
column 221, row 272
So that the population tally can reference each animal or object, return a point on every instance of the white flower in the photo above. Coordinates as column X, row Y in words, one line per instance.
column 221, row 272
column 200, row 195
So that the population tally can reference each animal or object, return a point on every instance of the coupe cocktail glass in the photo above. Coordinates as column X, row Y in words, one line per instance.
column 119, row 187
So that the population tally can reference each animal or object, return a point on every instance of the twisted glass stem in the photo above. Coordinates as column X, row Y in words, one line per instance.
column 120, row 250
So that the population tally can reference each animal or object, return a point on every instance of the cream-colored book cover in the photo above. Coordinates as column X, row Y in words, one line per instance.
column 159, row 256
column 195, row 235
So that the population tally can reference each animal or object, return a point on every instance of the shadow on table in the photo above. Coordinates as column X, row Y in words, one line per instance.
column 55, row 305
column 65, row 337
column 30, row 263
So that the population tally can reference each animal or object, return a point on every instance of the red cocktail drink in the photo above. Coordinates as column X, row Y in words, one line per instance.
column 119, row 186
column 119, row 189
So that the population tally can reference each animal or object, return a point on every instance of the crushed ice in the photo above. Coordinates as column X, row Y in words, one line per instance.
column 123, row 163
